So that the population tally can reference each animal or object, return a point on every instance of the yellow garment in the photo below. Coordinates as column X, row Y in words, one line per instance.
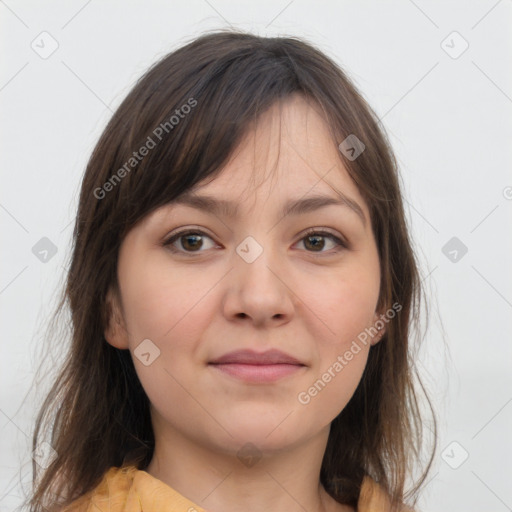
column 128, row 489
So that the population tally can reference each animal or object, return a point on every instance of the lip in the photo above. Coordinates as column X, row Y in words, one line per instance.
column 252, row 357
column 251, row 366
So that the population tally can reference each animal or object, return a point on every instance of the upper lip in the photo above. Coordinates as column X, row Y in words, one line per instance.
column 272, row 356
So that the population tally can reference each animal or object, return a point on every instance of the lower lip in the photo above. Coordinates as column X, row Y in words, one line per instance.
column 258, row 373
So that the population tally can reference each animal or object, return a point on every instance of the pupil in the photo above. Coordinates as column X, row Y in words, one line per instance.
column 315, row 244
column 193, row 246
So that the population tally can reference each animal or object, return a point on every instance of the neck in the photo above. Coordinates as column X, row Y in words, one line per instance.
column 247, row 479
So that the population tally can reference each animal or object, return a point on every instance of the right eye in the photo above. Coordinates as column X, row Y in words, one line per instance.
column 190, row 240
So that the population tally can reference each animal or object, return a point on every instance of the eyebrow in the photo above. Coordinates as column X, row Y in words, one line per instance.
column 226, row 208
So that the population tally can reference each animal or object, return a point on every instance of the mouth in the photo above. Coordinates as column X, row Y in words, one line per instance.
column 250, row 366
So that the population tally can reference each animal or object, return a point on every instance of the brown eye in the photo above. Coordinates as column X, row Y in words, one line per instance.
column 315, row 241
column 189, row 241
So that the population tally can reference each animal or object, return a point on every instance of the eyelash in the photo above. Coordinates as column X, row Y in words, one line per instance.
column 326, row 234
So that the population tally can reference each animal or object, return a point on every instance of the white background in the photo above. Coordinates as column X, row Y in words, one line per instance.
column 450, row 123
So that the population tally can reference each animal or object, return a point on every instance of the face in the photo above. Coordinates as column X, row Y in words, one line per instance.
column 197, row 284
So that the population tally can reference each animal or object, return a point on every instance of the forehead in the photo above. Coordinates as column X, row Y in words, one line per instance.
column 288, row 153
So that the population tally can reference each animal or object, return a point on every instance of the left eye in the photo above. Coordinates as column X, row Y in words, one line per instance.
column 192, row 241
column 316, row 239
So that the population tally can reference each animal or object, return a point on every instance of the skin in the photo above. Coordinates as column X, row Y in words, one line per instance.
column 198, row 305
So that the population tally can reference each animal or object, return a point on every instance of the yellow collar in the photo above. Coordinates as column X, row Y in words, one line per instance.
column 128, row 489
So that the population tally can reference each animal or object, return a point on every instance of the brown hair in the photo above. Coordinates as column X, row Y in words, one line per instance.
column 97, row 409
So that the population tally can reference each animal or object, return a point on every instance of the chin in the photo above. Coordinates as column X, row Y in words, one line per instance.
column 269, row 435
column 249, row 447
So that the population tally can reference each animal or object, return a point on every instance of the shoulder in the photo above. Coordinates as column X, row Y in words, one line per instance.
column 374, row 498
column 109, row 495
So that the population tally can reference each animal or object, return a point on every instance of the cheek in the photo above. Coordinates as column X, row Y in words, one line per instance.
column 346, row 305
column 163, row 304
column 172, row 310
column 335, row 384
column 341, row 360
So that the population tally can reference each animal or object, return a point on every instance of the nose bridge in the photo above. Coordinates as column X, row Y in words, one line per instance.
column 257, row 259
column 258, row 290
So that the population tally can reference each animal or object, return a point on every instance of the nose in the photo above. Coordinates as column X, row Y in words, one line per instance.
column 258, row 291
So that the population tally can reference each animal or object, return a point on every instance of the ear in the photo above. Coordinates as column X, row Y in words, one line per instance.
column 380, row 325
column 115, row 332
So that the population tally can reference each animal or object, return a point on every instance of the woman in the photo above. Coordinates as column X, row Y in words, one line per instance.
column 242, row 289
